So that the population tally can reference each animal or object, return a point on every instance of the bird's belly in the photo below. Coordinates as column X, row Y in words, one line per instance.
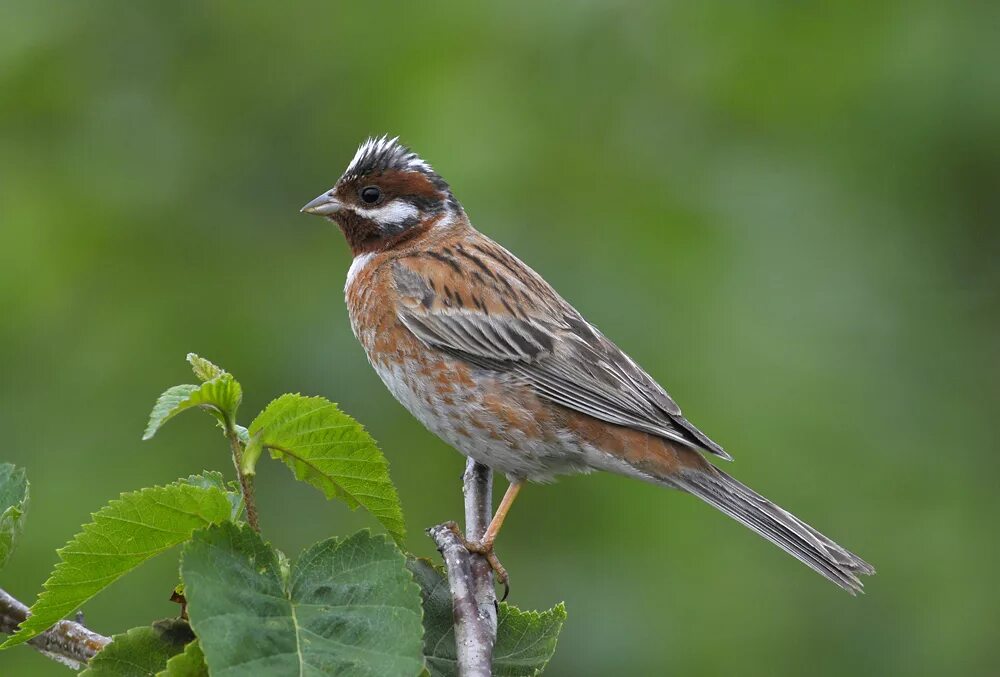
column 483, row 417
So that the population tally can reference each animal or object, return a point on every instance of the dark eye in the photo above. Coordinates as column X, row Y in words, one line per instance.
column 370, row 194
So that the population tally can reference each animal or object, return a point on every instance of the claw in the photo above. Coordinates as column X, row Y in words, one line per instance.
column 485, row 550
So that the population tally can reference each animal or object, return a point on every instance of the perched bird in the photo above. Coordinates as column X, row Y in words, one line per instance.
column 485, row 353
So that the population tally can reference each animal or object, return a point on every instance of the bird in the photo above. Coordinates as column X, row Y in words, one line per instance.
column 482, row 351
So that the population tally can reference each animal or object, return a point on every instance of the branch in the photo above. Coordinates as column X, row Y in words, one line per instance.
column 477, row 487
column 66, row 642
column 470, row 577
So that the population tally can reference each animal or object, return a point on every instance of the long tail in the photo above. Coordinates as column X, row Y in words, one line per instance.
column 780, row 527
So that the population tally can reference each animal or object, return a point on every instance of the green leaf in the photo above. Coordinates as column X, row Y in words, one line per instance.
column 345, row 606
column 251, row 453
column 203, row 369
column 191, row 663
column 123, row 535
column 526, row 640
column 13, row 506
column 212, row 479
column 439, row 626
column 220, row 396
column 331, row 451
column 142, row 652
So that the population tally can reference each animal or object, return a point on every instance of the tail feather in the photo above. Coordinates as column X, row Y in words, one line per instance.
column 776, row 525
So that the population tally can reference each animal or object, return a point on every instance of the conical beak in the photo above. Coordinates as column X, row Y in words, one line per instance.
column 324, row 205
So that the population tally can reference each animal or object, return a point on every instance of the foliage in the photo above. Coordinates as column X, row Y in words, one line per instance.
column 331, row 451
column 189, row 663
column 526, row 640
column 204, row 369
column 13, row 504
column 219, row 394
column 123, row 534
column 150, row 650
column 346, row 605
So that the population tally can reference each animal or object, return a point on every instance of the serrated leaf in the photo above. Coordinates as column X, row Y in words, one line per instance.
column 203, row 369
column 526, row 640
column 190, row 663
column 439, row 627
column 13, row 507
column 220, row 396
column 331, row 451
column 212, row 479
column 123, row 535
column 344, row 606
column 141, row 652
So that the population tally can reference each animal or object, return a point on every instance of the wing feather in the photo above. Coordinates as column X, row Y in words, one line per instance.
column 539, row 340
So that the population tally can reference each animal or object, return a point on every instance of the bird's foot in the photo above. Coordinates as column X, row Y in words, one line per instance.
column 485, row 549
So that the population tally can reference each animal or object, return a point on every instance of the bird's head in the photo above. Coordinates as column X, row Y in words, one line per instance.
column 386, row 195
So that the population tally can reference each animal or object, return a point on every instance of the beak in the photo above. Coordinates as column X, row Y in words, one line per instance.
column 324, row 205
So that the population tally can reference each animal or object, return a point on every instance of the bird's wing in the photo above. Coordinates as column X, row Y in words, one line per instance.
column 479, row 302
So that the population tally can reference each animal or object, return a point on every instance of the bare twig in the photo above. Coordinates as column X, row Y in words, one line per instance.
column 67, row 642
column 477, row 487
column 470, row 577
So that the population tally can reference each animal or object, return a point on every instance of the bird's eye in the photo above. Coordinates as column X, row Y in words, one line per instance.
column 370, row 194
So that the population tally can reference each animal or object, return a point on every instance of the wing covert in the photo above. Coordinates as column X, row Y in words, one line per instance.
column 511, row 327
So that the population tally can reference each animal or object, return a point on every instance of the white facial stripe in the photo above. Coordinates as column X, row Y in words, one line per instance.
column 394, row 212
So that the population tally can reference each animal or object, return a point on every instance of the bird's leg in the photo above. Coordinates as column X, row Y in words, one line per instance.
column 493, row 529
column 485, row 547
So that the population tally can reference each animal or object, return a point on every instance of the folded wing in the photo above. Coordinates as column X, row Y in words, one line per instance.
column 490, row 309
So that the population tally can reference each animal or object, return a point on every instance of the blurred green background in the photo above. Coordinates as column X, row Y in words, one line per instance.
column 788, row 213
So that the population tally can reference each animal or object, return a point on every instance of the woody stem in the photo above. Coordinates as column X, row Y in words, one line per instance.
column 66, row 642
column 470, row 576
column 246, row 482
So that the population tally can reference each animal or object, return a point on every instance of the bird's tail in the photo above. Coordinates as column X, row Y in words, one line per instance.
column 780, row 527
